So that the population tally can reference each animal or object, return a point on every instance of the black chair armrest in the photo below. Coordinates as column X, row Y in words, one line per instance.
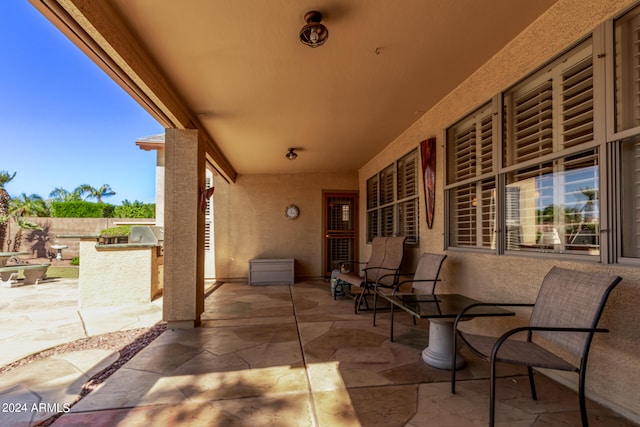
column 377, row 283
column 486, row 304
column 415, row 281
column 419, row 280
column 382, row 268
column 529, row 329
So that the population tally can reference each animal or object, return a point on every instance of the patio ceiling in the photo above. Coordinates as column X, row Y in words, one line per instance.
column 237, row 70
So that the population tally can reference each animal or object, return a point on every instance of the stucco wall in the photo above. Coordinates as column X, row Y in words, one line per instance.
column 118, row 276
column 614, row 366
column 250, row 222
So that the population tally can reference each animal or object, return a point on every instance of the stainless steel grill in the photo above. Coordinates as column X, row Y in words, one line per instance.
column 146, row 234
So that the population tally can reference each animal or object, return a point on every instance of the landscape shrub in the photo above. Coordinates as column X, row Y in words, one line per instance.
column 135, row 210
column 81, row 209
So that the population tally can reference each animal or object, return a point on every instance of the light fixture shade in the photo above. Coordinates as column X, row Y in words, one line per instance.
column 291, row 155
column 313, row 34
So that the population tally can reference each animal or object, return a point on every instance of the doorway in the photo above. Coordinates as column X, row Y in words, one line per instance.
column 340, row 218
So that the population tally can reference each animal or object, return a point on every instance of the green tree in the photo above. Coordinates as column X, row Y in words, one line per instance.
column 95, row 193
column 135, row 210
column 61, row 195
column 32, row 205
column 5, row 177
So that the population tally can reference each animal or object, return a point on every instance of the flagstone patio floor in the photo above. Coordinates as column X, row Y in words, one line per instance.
column 280, row 355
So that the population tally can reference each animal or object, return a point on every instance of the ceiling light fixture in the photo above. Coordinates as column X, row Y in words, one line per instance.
column 313, row 34
column 291, row 155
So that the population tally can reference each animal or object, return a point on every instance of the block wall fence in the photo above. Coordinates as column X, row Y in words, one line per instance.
column 38, row 242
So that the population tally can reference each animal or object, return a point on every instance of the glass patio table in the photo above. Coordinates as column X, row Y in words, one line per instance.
column 441, row 310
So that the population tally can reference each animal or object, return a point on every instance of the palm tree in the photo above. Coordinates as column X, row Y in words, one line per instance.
column 5, row 177
column 95, row 193
column 83, row 189
column 104, row 191
column 32, row 205
column 62, row 195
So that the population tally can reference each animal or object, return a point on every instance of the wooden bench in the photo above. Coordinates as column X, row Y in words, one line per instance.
column 32, row 274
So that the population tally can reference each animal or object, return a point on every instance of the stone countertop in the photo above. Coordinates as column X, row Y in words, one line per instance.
column 100, row 246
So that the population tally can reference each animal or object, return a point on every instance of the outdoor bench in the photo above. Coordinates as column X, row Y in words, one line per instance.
column 32, row 274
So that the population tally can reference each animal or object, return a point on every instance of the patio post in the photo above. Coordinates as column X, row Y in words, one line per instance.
column 183, row 301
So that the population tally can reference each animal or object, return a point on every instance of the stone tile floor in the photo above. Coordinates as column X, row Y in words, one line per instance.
column 282, row 355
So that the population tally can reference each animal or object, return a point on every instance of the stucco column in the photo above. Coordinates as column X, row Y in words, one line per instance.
column 183, row 301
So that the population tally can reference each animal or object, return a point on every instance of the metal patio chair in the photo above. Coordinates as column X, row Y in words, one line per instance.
column 423, row 281
column 561, row 328
column 348, row 275
column 386, row 257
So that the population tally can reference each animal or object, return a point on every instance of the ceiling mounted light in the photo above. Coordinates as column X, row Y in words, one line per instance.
column 313, row 34
column 291, row 155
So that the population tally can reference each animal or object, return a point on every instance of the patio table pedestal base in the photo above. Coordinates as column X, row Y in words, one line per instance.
column 442, row 311
column 438, row 353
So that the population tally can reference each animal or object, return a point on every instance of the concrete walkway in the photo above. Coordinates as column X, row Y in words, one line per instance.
column 45, row 315
column 38, row 317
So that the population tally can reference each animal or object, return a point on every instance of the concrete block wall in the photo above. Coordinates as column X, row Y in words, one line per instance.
column 38, row 242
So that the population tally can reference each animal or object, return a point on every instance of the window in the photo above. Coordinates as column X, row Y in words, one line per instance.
column 630, row 195
column 473, row 213
column 392, row 200
column 543, row 194
column 553, row 207
column 472, row 193
column 627, row 63
column 625, row 143
column 208, row 221
column 551, row 111
column 373, row 202
column 551, row 199
column 552, row 165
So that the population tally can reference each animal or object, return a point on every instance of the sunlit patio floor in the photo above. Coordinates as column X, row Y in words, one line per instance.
column 280, row 355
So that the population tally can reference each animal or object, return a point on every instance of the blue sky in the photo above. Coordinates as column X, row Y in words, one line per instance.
column 63, row 121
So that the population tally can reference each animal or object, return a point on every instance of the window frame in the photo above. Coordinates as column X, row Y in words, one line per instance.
column 473, row 127
column 616, row 137
column 575, row 57
column 612, row 129
column 390, row 194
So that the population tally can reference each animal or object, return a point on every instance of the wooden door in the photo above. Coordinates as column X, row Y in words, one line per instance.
column 340, row 229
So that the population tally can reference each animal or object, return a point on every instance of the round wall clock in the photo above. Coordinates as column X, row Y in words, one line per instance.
column 292, row 212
